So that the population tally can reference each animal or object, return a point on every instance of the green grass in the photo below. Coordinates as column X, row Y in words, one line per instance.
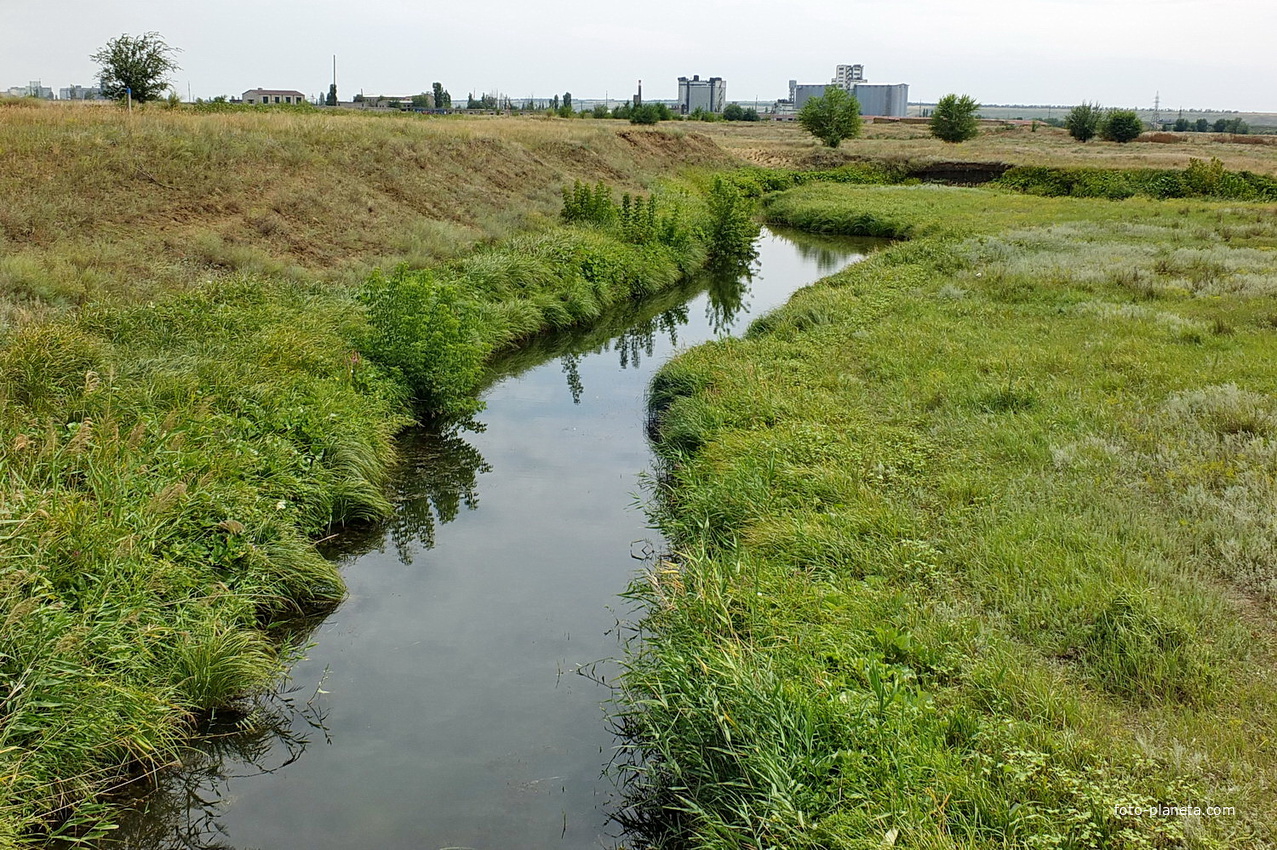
column 167, row 465
column 974, row 540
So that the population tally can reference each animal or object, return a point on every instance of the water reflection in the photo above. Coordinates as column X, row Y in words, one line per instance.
column 452, row 724
column 183, row 808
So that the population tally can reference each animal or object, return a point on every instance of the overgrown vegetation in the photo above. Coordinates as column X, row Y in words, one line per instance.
column 972, row 540
column 169, row 458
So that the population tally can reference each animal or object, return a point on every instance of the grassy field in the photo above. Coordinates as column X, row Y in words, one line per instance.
column 975, row 540
column 100, row 206
column 201, row 373
column 786, row 145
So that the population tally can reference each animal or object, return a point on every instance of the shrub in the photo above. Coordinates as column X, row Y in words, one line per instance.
column 1083, row 121
column 954, row 118
column 832, row 117
column 424, row 330
column 732, row 229
column 1121, row 125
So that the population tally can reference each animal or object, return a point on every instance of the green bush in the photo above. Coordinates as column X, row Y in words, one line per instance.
column 832, row 117
column 424, row 330
column 954, row 118
column 1121, row 125
column 1083, row 121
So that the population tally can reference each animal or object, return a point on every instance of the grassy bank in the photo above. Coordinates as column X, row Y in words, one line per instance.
column 99, row 205
column 974, row 538
column 176, row 439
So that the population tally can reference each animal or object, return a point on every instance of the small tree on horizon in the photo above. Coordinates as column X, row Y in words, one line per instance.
column 1121, row 126
column 954, row 118
column 331, row 100
column 443, row 100
column 1083, row 121
column 831, row 117
column 139, row 65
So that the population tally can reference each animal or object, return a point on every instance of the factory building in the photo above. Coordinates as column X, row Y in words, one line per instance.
column 890, row 100
column 707, row 95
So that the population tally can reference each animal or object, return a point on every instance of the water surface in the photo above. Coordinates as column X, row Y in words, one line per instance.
column 455, row 699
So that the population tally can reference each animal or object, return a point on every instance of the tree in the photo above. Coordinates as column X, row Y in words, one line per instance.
column 832, row 117
column 733, row 112
column 954, row 118
column 137, row 64
column 1202, row 125
column 331, row 100
column 648, row 113
column 443, row 100
column 1083, row 121
column 1121, row 125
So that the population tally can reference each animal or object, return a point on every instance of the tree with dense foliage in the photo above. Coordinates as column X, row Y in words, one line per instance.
column 648, row 113
column 1083, row 121
column 831, row 117
column 443, row 100
column 954, row 118
column 331, row 100
column 1202, row 125
column 600, row 111
column 733, row 112
column 139, row 65
column 1121, row 125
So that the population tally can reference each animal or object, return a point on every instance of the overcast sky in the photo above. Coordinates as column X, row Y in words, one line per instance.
column 1197, row 54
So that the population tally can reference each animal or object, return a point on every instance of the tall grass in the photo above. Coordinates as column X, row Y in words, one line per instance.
column 168, row 463
column 970, row 539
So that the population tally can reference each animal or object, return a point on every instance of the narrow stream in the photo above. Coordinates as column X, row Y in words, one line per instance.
column 454, row 700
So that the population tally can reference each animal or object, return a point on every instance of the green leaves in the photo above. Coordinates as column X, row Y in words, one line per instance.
column 831, row 118
column 137, row 64
column 954, row 118
column 427, row 332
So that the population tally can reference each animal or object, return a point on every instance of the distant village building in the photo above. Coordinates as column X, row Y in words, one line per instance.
column 706, row 95
column 264, row 96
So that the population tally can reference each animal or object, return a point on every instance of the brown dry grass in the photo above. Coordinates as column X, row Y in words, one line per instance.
column 786, row 145
column 100, row 205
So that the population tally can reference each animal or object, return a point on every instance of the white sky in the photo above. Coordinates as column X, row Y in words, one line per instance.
column 1216, row 54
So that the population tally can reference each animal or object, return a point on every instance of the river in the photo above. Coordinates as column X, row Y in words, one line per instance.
column 456, row 698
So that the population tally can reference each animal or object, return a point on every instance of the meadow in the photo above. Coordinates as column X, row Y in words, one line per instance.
column 974, row 540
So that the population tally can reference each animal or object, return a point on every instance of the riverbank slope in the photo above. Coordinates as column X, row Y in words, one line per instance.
column 974, row 538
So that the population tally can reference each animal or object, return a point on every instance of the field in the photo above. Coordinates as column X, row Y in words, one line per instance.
column 975, row 539
column 786, row 145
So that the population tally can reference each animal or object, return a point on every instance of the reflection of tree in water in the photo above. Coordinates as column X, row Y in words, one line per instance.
column 640, row 338
column 726, row 291
column 437, row 476
column 572, row 369
column 180, row 808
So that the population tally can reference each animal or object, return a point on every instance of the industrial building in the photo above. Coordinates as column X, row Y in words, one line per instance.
column 706, row 95
column 891, row 100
